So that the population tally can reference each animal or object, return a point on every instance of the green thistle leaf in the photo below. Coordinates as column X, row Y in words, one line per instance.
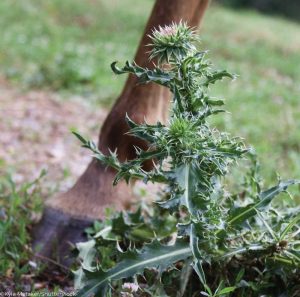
column 144, row 75
column 241, row 214
column 154, row 255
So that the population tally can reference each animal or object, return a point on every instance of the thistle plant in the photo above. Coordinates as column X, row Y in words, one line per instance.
column 198, row 240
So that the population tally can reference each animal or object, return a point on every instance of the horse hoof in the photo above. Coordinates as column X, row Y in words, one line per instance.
column 56, row 235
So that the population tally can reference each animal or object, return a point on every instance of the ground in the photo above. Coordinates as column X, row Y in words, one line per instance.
column 36, row 134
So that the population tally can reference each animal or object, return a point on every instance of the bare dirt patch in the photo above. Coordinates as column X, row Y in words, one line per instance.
column 36, row 134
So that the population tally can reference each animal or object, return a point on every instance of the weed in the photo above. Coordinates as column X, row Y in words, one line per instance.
column 212, row 240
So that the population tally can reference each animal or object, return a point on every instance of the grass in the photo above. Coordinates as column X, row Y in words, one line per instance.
column 264, row 100
column 69, row 45
column 22, row 270
column 18, row 207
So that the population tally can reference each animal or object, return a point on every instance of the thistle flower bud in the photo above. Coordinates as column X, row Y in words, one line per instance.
column 172, row 43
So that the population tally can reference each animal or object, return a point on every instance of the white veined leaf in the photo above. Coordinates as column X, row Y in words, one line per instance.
column 154, row 255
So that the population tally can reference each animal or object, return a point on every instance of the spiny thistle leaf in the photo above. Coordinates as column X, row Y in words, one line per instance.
column 217, row 75
column 143, row 74
column 154, row 255
column 87, row 252
column 241, row 214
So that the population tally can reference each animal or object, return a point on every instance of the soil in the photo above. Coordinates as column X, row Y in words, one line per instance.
column 36, row 134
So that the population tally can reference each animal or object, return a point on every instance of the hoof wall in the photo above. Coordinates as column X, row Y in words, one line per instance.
column 56, row 233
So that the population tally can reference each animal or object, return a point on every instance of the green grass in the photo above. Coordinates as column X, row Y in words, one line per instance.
column 70, row 44
column 264, row 100
column 18, row 207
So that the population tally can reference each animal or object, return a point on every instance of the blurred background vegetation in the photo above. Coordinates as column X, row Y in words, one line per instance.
column 287, row 8
column 67, row 47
